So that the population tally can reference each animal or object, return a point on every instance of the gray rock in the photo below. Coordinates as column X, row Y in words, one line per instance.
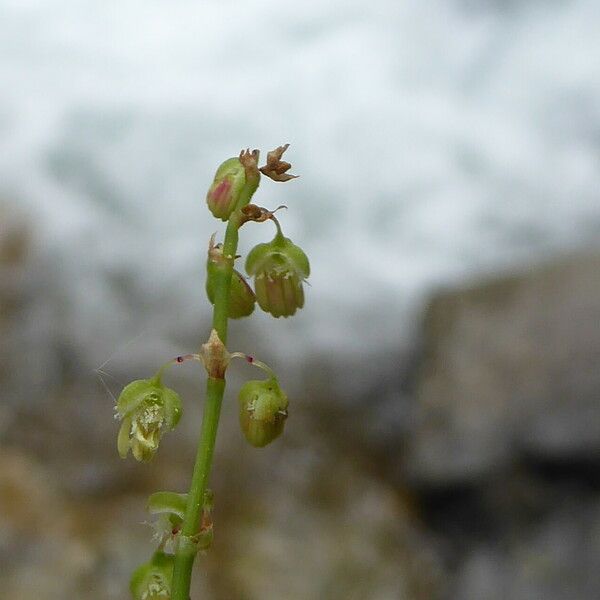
column 306, row 520
column 510, row 368
column 557, row 558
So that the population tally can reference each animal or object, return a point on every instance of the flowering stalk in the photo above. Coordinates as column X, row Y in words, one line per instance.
column 147, row 408
column 215, row 388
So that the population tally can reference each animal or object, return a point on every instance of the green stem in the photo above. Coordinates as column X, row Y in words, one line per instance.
column 279, row 237
column 222, row 278
column 215, row 388
column 186, row 553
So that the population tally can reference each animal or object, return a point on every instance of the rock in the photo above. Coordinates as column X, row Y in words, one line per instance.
column 54, row 547
column 557, row 558
column 305, row 520
column 299, row 521
column 510, row 369
column 42, row 558
column 27, row 353
column 508, row 375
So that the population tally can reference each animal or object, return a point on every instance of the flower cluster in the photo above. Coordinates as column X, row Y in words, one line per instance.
column 147, row 408
column 279, row 267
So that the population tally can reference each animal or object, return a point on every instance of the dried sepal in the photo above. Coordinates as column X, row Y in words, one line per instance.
column 258, row 214
column 249, row 160
column 276, row 168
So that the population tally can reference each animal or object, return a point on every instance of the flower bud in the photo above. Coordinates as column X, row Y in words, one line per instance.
column 226, row 188
column 146, row 408
column 279, row 268
column 241, row 296
column 152, row 580
column 263, row 411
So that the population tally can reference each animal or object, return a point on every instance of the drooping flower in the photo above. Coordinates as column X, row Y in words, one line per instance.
column 146, row 408
column 279, row 269
column 263, row 411
column 152, row 580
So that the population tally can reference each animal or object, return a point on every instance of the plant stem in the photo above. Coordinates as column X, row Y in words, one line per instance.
column 223, row 279
column 184, row 558
column 215, row 388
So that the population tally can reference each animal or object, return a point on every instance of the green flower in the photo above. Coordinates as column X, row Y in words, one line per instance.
column 169, row 508
column 263, row 411
column 279, row 269
column 146, row 408
column 152, row 580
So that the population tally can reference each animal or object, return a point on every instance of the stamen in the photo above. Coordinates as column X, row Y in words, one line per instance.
column 251, row 360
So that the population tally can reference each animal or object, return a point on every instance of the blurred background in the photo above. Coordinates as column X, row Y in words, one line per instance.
column 444, row 430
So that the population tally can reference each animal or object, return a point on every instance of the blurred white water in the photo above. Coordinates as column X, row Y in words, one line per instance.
column 434, row 139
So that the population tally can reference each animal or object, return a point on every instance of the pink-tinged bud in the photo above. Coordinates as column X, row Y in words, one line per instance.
column 279, row 269
column 224, row 193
